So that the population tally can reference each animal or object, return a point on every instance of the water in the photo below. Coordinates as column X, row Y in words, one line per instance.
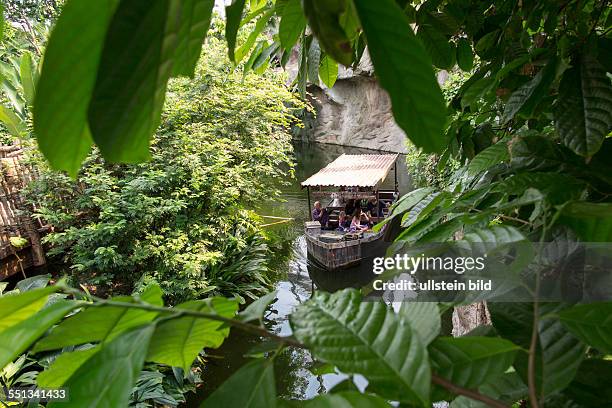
column 296, row 280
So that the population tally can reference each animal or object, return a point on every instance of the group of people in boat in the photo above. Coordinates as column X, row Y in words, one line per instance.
column 353, row 218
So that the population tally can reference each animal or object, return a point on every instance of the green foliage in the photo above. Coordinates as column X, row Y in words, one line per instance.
column 366, row 338
column 113, row 370
column 177, row 342
column 471, row 361
column 529, row 126
column 255, row 380
column 61, row 105
column 590, row 323
column 417, row 103
column 145, row 32
column 292, row 24
column 424, row 317
column 195, row 20
column 179, row 218
column 328, row 71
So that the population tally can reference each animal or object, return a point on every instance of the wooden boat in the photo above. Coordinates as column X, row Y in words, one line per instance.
column 349, row 177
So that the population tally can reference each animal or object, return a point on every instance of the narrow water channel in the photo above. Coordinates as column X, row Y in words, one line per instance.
column 296, row 278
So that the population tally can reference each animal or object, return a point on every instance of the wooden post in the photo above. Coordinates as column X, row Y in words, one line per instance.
column 395, row 171
column 309, row 207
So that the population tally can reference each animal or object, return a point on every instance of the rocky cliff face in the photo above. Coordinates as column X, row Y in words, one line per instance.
column 355, row 112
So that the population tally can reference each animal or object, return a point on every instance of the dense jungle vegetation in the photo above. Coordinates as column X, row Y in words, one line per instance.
column 181, row 219
column 521, row 147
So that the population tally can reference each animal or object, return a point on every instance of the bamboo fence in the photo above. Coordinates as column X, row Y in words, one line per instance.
column 15, row 219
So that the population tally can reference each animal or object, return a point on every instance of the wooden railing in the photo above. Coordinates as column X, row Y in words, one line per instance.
column 17, row 255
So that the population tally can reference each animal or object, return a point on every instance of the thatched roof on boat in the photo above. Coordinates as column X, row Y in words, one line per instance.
column 353, row 170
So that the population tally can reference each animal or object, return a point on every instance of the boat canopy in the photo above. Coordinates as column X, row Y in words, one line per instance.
column 353, row 170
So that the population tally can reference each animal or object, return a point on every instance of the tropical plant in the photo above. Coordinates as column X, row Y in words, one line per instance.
column 180, row 218
column 530, row 124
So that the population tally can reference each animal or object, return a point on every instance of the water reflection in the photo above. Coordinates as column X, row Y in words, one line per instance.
column 297, row 278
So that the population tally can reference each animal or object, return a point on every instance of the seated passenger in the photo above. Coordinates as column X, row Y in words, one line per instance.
column 324, row 219
column 344, row 223
column 365, row 220
column 372, row 208
column 317, row 212
column 356, row 224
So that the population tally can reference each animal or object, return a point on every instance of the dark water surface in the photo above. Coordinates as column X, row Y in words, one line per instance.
column 296, row 278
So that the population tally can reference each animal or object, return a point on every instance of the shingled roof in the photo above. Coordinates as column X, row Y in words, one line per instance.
column 353, row 170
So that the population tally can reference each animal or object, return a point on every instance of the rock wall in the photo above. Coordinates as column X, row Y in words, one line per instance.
column 355, row 112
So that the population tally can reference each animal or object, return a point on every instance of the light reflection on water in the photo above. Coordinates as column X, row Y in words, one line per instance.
column 297, row 278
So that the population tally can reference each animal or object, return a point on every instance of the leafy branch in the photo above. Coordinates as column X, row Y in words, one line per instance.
column 173, row 313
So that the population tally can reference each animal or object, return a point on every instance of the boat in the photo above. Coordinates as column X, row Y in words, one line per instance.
column 357, row 177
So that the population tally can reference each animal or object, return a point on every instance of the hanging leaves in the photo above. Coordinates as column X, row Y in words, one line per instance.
column 583, row 111
column 67, row 80
column 328, row 71
column 324, row 20
column 233, row 16
column 418, row 105
column 292, row 24
column 386, row 351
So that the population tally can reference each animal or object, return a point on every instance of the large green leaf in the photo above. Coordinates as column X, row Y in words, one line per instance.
column 591, row 323
column 471, row 361
column 67, row 80
column 101, row 323
column 324, row 20
column 248, row 44
column 424, row 317
column 195, row 20
column 583, row 111
column 492, row 155
column 366, row 338
column 27, row 74
column 135, row 65
column 63, row 367
column 314, row 60
column 495, row 236
column 292, row 24
column 508, row 388
column 178, row 341
column 328, row 71
column 17, row 338
column 437, row 46
column 15, row 308
column 558, row 353
column 346, row 399
column 233, row 15
column 256, row 310
column 591, row 386
column 465, row 55
column 248, row 65
column 252, row 386
column 591, row 221
column 13, row 123
column 528, row 95
column 513, row 321
column 106, row 379
column 539, row 153
column 557, row 188
column 424, row 207
column 405, row 203
column 405, row 71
